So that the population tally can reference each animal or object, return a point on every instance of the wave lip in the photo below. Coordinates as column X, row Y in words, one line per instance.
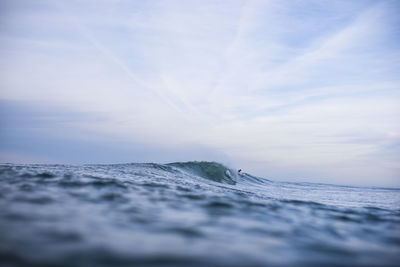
column 209, row 170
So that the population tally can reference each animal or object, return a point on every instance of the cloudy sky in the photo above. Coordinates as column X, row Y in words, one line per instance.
column 288, row 90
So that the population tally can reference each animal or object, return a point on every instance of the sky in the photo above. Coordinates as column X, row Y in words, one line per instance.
column 287, row 90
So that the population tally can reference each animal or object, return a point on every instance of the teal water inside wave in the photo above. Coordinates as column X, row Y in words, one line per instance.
column 189, row 214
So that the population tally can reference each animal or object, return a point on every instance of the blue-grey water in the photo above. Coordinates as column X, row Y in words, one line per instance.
column 189, row 214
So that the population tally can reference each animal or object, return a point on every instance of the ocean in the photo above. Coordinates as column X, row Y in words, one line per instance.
column 189, row 214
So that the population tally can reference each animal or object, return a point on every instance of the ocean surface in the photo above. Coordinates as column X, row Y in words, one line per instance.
column 189, row 214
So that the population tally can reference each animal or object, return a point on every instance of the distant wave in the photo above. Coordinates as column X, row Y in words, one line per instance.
column 217, row 172
column 212, row 171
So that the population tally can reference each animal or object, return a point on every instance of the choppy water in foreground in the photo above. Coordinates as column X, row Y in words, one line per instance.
column 187, row 214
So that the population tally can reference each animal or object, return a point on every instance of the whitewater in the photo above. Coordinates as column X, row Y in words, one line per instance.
column 189, row 214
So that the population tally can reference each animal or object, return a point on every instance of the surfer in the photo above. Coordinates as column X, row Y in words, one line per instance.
column 239, row 171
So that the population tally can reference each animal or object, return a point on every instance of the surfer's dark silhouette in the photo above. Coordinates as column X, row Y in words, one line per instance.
column 239, row 171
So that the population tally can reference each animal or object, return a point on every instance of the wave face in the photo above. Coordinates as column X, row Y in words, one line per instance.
column 189, row 214
column 209, row 170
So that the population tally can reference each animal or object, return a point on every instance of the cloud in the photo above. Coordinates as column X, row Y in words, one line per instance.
column 43, row 133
